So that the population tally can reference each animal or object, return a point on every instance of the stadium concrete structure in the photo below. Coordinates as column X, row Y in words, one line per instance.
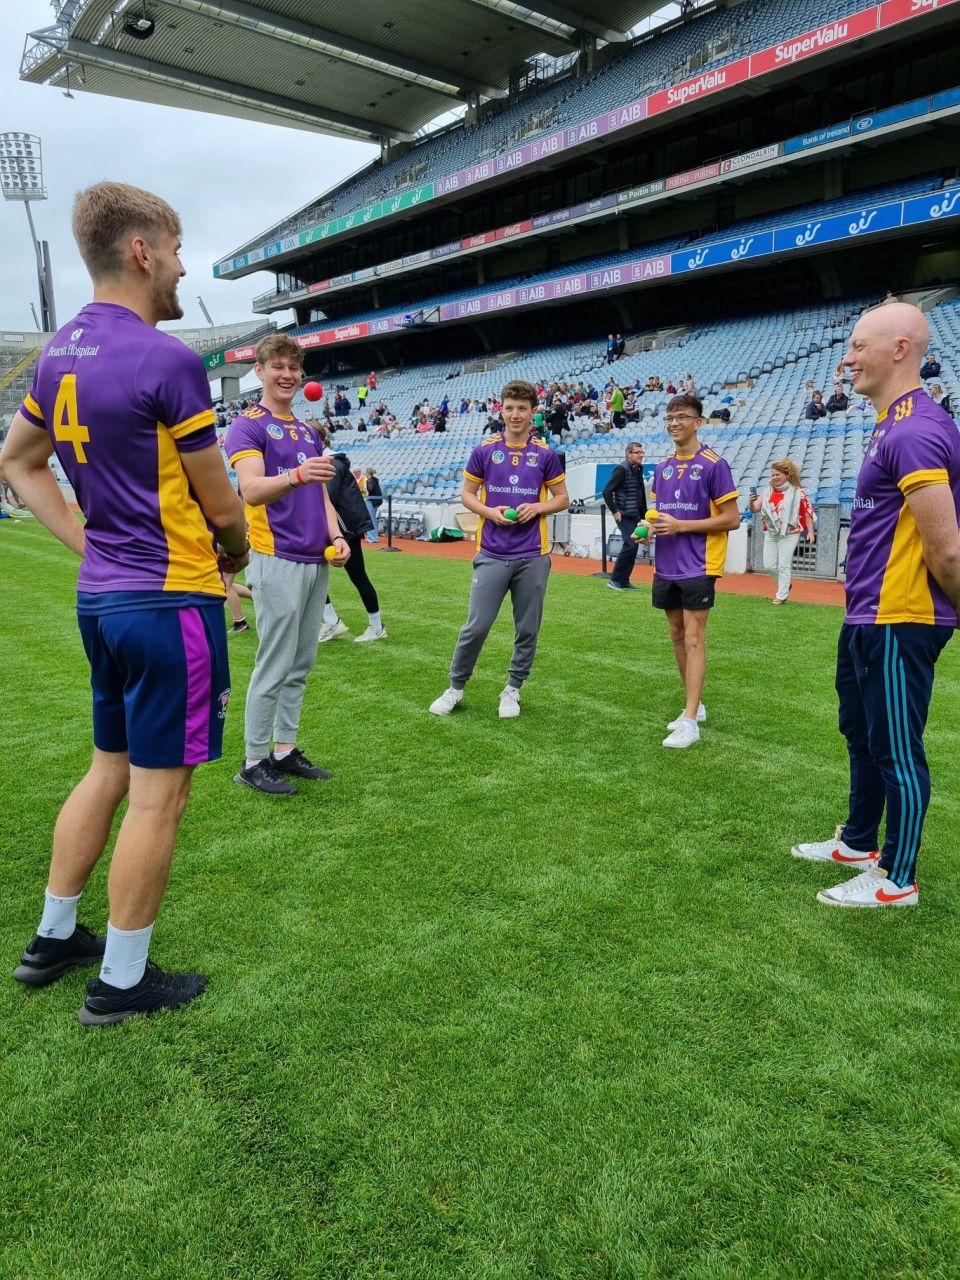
column 730, row 189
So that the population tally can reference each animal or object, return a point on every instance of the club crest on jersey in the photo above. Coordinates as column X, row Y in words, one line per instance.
column 696, row 471
column 275, row 432
column 676, row 494
column 498, row 455
column 532, row 459
column 668, row 473
column 76, row 335
column 514, row 479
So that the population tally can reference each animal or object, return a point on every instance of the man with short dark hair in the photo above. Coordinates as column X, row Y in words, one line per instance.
column 903, row 598
column 626, row 497
column 696, row 505
column 127, row 409
column 512, row 481
column 931, row 366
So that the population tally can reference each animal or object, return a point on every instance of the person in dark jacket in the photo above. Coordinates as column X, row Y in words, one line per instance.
column 838, row 402
column 626, row 497
column 374, row 501
column 816, row 408
column 355, row 521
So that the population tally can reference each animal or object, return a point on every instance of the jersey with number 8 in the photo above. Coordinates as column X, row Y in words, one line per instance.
column 122, row 401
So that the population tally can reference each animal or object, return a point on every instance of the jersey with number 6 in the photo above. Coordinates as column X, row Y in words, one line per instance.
column 122, row 401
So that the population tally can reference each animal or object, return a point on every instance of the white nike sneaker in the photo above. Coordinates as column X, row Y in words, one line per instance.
column 684, row 735
column 509, row 703
column 870, row 889
column 701, row 717
column 371, row 633
column 448, row 701
column 836, row 851
column 331, row 630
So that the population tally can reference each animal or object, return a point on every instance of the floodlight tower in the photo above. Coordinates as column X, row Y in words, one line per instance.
column 21, row 178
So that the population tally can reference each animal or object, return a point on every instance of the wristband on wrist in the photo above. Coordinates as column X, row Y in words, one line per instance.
column 236, row 555
column 299, row 475
column 291, row 479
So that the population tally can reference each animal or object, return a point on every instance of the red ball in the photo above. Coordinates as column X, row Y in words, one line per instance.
column 313, row 390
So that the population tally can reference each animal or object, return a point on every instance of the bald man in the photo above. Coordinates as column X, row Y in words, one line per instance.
column 903, row 596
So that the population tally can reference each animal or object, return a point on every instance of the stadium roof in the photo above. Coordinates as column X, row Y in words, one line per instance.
column 370, row 69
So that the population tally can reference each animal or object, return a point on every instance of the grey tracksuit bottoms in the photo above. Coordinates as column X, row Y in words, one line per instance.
column 289, row 599
column 526, row 580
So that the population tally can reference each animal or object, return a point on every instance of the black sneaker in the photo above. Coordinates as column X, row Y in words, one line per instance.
column 239, row 628
column 46, row 959
column 298, row 764
column 156, row 990
column 263, row 776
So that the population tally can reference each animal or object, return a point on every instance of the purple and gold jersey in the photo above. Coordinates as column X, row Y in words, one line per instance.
column 915, row 443
column 121, row 402
column 509, row 477
column 692, row 488
column 295, row 526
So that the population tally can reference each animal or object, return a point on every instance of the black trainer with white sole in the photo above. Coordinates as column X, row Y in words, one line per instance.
column 263, row 776
column 47, row 959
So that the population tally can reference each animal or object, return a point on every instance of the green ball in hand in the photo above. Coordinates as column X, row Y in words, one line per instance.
column 641, row 531
column 510, row 513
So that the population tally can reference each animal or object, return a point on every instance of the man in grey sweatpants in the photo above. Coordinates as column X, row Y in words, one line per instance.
column 282, row 473
column 512, row 481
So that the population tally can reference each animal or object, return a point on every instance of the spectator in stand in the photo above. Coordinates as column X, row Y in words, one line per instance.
column 689, row 386
column 671, row 389
column 362, row 426
column 816, row 408
column 493, row 424
column 619, row 346
column 464, row 406
column 625, row 495
column 838, row 402
column 616, row 407
column 631, row 410
column 341, row 404
column 937, row 396
column 373, row 497
column 557, row 420
column 372, row 381
column 931, row 366
column 786, row 512
column 611, row 348
column 593, row 393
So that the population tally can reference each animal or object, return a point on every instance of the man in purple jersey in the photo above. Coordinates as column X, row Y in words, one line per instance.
column 696, row 503
column 127, row 410
column 292, row 523
column 903, row 596
column 512, row 481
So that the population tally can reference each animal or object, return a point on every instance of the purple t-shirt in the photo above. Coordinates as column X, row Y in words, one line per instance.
column 915, row 443
column 121, row 402
column 509, row 477
column 692, row 488
column 295, row 526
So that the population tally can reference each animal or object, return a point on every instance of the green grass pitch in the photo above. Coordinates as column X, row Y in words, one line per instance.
column 503, row 1000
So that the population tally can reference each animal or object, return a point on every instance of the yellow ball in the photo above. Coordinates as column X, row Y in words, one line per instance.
column 651, row 514
column 330, row 553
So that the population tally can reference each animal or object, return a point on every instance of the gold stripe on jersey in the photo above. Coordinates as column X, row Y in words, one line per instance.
column 191, row 561
column 468, row 475
column 727, row 497
column 203, row 419
column 715, row 552
column 556, row 480
column 259, row 531
column 905, row 594
column 544, row 540
column 482, row 495
column 708, row 453
column 245, row 453
column 921, row 479
column 34, row 408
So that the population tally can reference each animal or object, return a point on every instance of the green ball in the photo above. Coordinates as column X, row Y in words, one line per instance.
column 641, row 531
column 510, row 513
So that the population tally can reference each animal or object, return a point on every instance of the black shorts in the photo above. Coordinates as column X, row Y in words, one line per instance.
column 684, row 593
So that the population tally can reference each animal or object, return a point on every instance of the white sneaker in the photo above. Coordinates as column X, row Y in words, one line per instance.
column 330, row 631
column 836, row 851
column 448, row 701
column 684, row 735
column 701, row 717
column 371, row 633
column 509, row 703
column 870, row 889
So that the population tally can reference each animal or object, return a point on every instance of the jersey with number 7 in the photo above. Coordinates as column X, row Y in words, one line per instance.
column 122, row 401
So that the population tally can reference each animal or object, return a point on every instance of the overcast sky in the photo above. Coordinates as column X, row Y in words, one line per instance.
column 203, row 164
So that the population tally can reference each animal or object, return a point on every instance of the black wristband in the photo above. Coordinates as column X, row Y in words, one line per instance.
column 236, row 555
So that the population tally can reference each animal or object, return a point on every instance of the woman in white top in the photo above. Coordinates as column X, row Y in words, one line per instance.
column 786, row 512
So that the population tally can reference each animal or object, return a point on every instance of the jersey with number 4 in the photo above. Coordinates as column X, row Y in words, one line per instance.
column 121, row 402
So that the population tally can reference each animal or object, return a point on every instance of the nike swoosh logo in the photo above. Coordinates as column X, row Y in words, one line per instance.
column 837, row 856
column 884, row 896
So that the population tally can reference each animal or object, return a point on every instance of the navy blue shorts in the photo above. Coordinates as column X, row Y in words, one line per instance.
column 161, row 683
column 684, row 593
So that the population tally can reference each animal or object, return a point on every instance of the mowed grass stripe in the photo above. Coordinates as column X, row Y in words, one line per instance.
column 533, row 998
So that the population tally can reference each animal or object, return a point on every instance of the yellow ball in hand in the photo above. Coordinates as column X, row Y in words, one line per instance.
column 330, row 553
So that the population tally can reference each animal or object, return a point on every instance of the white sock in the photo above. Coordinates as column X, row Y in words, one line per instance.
column 59, row 918
column 282, row 755
column 125, row 956
column 375, row 621
column 248, row 764
column 329, row 613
